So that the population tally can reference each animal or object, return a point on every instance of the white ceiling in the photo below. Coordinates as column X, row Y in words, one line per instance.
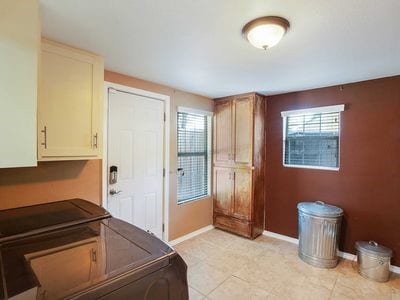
column 196, row 45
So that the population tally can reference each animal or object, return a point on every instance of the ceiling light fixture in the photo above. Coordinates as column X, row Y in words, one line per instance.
column 265, row 32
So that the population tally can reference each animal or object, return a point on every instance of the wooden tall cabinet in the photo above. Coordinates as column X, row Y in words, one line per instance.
column 70, row 103
column 238, row 162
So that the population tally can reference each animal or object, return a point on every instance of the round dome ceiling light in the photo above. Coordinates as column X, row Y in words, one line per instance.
column 265, row 32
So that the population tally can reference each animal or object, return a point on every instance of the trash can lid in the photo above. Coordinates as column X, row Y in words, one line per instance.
column 320, row 209
column 374, row 248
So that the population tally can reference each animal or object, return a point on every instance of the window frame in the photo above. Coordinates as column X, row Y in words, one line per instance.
column 209, row 116
column 315, row 110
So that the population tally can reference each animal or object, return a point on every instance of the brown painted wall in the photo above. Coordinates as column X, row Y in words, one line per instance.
column 50, row 181
column 190, row 216
column 367, row 186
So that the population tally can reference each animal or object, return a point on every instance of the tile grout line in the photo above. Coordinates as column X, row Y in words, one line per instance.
column 202, row 260
column 218, row 285
column 197, row 291
column 254, row 285
column 241, row 279
column 333, row 288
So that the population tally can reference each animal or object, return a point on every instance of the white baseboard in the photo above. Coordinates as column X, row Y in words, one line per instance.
column 345, row 255
column 281, row 237
column 190, row 235
column 395, row 269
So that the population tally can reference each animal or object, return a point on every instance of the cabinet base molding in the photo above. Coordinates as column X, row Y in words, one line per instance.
column 240, row 227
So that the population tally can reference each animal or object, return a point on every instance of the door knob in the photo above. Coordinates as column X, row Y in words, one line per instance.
column 114, row 192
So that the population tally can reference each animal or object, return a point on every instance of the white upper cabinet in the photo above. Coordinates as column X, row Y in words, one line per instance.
column 70, row 103
column 19, row 53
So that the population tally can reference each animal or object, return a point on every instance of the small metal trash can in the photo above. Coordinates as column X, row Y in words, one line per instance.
column 373, row 260
column 319, row 228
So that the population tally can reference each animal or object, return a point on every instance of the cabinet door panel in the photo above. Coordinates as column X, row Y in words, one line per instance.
column 243, row 130
column 222, row 131
column 68, row 103
column 242, row 194
column 223, row 190
column 19, row 52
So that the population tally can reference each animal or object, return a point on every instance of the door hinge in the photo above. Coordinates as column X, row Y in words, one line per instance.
column 163, row 172
column 44, row 131
column 163, row 227
column 165, row 117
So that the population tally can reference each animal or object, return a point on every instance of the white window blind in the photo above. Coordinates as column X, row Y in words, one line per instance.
column 311, row 137
column 193, row 155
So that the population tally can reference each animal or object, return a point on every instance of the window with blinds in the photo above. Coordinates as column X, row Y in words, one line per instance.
column 193, row 156
column 311, row 138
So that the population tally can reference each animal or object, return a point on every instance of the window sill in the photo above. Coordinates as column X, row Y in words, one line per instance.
column 194, row 200
column 311, row 167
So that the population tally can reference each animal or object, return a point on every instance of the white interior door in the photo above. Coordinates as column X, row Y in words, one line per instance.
column 135, row 147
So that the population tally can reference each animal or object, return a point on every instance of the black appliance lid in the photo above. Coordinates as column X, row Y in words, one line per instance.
column 117, row 249
column 25, row 221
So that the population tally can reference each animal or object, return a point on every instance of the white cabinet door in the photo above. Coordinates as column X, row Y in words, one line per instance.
column 135, row 147
column 70, row 102
column 19, row 52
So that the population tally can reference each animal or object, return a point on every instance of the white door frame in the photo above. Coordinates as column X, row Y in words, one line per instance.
column 143, row 93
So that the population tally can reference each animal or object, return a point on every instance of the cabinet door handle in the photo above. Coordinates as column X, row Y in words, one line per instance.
column 44, row 131
column 95, row 141
column 94, row 255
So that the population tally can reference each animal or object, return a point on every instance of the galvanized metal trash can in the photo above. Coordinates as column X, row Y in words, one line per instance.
column 319, row 228
column 373, row 260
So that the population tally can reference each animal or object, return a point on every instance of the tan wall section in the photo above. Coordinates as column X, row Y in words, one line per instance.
column 54, row 181
column 191, row 216
column 50, row 181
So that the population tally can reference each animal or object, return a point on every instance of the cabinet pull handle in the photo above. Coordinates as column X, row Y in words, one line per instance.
column 95, row 141
column 44, row 131
column 94, row 255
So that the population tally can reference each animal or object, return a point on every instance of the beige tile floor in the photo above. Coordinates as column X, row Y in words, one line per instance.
column 224, row 266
